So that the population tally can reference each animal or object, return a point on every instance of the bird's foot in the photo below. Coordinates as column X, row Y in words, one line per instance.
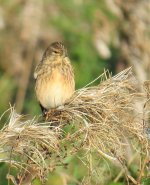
column 44, row 112
column 52, row 114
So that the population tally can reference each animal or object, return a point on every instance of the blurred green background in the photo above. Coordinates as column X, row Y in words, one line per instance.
column 99, row 34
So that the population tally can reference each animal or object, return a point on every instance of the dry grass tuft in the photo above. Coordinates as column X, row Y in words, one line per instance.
column 26, row 144
column 105, row 114
column 104, row 119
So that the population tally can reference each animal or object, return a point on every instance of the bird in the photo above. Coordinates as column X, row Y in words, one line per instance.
column 54, row 78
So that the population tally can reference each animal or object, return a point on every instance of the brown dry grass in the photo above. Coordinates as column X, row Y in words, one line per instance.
column 105, row 120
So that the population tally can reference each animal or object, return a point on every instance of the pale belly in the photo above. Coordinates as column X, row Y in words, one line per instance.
column 54, row 91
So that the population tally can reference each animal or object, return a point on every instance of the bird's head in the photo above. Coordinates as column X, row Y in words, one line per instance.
column 56, row 49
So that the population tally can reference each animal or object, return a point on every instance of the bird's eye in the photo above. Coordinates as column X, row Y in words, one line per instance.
column 56, row 52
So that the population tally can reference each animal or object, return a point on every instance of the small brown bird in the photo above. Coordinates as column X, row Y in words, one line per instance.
column 54, row 77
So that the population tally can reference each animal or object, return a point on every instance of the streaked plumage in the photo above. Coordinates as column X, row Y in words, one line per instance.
column 54, row 77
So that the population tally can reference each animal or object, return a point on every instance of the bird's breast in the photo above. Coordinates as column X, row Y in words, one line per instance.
column 54, row 89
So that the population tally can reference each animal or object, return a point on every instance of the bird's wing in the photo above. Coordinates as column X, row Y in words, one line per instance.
column 37, row 70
